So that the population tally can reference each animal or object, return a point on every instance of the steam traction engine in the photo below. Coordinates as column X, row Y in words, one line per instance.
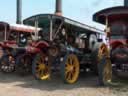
column 65, row 45
column 14, row 38
column 116, row 21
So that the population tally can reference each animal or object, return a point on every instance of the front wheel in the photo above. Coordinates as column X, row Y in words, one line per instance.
column 70, row 68
column 40, row 67
column 104, row 65
column 7, row 63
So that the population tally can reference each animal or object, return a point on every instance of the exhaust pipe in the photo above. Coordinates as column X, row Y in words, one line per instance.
column 126, row 3
column 58, row 10
column 19, row 12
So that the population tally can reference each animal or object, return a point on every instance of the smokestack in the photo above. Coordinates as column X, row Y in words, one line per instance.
column 126, row 3
column 58, row 7
column 19, row 12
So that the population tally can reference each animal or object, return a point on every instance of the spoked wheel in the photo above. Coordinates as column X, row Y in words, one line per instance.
column 104, row 66
column 1, row 52
column 70, row 69
column 41, row 67
column 7, row 63
column 24, row 64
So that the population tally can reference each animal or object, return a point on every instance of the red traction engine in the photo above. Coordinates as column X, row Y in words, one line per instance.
column 116, row 21
column 14, row 38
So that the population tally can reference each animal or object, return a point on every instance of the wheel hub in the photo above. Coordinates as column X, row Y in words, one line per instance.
column 71, row 68
column 42, row 66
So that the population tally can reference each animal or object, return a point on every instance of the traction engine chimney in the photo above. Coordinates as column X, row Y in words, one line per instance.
column 19, row 12
column 126, row 3
column 58, row 10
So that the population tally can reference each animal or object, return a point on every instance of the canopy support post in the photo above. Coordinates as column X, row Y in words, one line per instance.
column 51, row 29
column 5, row 35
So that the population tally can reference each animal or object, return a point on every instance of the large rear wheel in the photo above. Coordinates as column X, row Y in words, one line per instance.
column 41, row 67
column 104, row 65
column 70, row 68
column 24, row 64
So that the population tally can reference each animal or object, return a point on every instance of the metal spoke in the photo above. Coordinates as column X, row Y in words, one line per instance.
column 69, row 76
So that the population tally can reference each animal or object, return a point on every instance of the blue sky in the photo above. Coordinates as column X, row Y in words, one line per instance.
column 80, row 10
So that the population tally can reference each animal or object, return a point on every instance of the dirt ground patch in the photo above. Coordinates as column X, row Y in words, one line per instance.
column 13, row 85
